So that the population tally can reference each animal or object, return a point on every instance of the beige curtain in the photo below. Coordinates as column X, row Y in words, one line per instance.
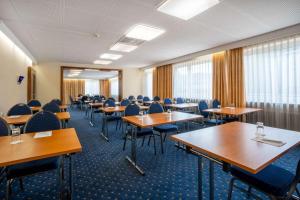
column 219, row 78
column 72, row 87
column 163, row 82
column 228, row 77
column 104, row 88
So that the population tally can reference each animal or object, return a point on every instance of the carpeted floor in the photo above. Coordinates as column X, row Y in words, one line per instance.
column 101, row 171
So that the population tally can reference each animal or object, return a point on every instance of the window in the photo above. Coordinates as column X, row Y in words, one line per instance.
column 114, row 87
column 193, row 79
column 148, row 82
column 91, row 87
column 272, row 71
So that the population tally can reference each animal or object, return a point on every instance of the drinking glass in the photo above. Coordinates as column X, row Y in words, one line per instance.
column 15, row 136
column 259, row 130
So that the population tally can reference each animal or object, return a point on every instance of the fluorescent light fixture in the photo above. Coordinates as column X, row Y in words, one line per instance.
column 123, row 47
column 144, row 32
column 100, row 62
column 186, row 9
column 110, row 56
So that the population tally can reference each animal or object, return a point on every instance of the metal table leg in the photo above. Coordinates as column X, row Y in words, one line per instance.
column 211, row 180
column 200, row 182
column 92, row 117
column 132, row 159
column 104, row 133
column 70, row 177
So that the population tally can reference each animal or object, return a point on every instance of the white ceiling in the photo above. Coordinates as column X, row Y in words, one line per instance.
column 63, row 30
column 86, row 74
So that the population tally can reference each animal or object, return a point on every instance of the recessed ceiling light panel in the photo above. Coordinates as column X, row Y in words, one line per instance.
column 101, row 62
column 144, row 32
column 123, row 47
column 186, row 9
column 111, row 56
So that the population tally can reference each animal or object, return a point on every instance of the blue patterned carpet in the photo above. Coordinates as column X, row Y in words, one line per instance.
column 101, row 171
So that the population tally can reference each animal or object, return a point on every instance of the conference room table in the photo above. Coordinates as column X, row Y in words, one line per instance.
column 233, row 144
column 22, row 119
column 233, row 111
column 61, row 142
column 93, row 106
column 38, row 108
column 150, row 120
column 109, row 111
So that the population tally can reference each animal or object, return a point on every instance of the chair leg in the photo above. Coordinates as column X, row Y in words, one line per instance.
column 143, row 141
column 154, row 144
column 230, row 189
column 21, row 184
column 165, row 137
column 249, row 191
column 125, row 140
column 8, row 189
column 149, row 141
column 297, row 191
column 161, row 143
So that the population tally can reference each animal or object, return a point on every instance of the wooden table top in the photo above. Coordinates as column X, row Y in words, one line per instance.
column 120, row 109
column 182, row 105
column 150, row 120
column 22, row 119
column 232, row 110
column 233, row 144
column 63, row 141
column 100, row 104
column 38, row 108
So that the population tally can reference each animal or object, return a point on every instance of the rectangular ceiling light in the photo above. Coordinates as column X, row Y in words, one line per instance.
column 100, row 62
column 143, row 32
column 186, row 9
column 110, row 56
column 123, row 47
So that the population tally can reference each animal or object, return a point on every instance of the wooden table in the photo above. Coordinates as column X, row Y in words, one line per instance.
column 232, row 144
column 182, row 105
column 22, row 119
column 38, row 108
column 62, row 142
column 109, row 110
column 151, row 120
column 232, row 111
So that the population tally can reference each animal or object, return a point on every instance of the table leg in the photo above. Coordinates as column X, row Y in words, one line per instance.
column 70, row 176
column 92, row 116
column 211, row 180
column 200, row 183
column 104, row 133
column 132, row 159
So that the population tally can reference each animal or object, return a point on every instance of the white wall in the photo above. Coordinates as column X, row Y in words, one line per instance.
column 48, row 80
column 13, row 62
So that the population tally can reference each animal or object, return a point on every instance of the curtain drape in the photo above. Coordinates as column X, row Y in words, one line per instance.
column 105, row 88
column 235, row 70
column 228, row 77
column 219, row 78
column 272, row 73
column 163, row 82
column 72, row 88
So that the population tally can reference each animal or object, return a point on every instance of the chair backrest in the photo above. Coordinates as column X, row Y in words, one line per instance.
column 132, row 109
column 42, row 121
column 140, row 97
column 179, row 100
column 112, row 99
column 167, row 101
column 4, row 127
column 125, row 102
column 131, row 97
column 34, row 102
column 51, row 107
column 19, row 109
column 109, row 103
column 216, row 103
column 202, row 106
column 57, row 101
column 84, row 98
column 102, row 97
column 146, row 99
column 156, row 98
column 155, row 107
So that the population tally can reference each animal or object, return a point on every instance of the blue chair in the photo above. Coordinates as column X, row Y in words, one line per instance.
column 34, row 103
column 112, row 99
column 4, row 128
column 131, row 110
column 156, row 98
column 203, row 106
column 108, row 117
column 164, row 129
column 179, row 100
column 145, row 99
column 51, row 107
column 57, row 101
column 166, row 102
column 19, row 109
column 131, row 98
column 140, row 97
column 274, row 181
column 125, row 102
column 41, row 121
column 216, row 103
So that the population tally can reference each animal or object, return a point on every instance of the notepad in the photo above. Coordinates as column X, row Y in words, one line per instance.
column 14, row 116
column 43, row 134
column 269, row 141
